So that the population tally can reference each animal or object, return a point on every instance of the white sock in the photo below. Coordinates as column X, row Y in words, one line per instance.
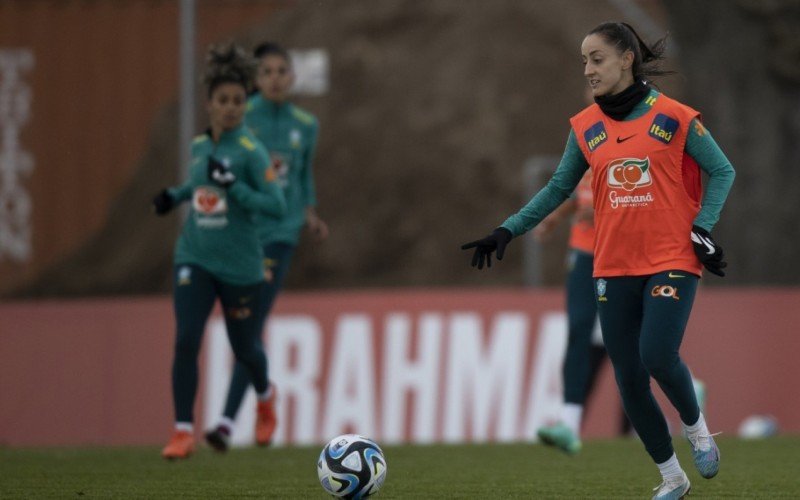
column 571, row 417
column 263, row 396
column 184, row 426
column 226, row 422
column 671, row 468
column 697, row 427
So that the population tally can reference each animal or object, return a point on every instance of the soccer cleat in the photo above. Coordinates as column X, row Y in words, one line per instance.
column 180, row 445
column 673, row 488
column 560, row 436
column 219, row 438
column 705, row 453
column 266, row 420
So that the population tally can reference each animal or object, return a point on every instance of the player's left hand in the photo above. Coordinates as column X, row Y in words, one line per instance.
column 708, row 252
column 220, row 173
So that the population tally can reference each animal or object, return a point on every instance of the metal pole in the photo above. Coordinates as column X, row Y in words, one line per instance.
column 535, row 169
column 187, row 86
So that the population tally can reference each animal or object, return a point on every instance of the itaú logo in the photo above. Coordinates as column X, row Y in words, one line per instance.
column 629, row 173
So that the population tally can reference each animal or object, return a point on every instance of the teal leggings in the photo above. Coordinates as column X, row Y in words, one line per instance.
column 578, row 370
column 196, row 290
column 278, row 257
column 643, row 319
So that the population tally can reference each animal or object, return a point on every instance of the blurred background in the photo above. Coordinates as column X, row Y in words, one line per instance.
column 438, row 119
column 429, row 111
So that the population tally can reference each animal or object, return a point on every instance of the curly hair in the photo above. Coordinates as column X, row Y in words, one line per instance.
column 271, row 49
column 229, row 63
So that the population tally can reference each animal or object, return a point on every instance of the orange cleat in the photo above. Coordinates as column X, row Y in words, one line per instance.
column 266, row 421
column 180, row 445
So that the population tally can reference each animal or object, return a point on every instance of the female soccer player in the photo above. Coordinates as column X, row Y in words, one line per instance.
column 290, row 135
column 652, row 233
column 218, row 253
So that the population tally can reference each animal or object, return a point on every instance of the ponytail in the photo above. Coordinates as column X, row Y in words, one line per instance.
column 646, row 58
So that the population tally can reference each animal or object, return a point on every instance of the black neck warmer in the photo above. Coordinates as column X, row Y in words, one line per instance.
column 618, row 106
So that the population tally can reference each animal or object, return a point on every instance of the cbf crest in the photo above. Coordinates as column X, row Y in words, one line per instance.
column 601, row 290
column 295, row 138
column 184, row 275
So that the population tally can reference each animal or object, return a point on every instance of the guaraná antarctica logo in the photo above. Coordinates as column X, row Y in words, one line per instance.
column 210, row 207
column 629, row 173
column 209, row 201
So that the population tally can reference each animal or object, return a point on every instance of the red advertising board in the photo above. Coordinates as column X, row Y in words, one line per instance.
column 401, row 366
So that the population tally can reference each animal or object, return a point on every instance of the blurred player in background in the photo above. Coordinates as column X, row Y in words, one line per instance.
column 218, row 253
column 584, row 357
column 652, row 234
column 290, row 135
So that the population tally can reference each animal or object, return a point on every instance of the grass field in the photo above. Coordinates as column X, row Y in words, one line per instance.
column 604, row 469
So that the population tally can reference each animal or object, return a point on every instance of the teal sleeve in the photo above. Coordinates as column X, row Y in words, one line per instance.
column 705, row 151
column 307, row 180
column 566, row 177
column 267, row 197
column 181, row 193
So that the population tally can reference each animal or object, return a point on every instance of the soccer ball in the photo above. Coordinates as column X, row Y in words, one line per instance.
column 351, row 466
column 758, row 426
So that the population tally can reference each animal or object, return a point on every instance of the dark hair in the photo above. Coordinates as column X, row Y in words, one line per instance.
column 271, row 49
column 646, row 59
column 228, row 64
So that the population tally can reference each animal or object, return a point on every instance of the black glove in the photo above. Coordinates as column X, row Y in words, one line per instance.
column 707, row 250
column 163, row 202
column 484, row 247
column 220, row 174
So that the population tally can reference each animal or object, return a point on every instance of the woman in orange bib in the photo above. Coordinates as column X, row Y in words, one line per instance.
column 652, row 233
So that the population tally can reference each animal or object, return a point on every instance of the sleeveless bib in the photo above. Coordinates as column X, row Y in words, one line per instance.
column 646, row 189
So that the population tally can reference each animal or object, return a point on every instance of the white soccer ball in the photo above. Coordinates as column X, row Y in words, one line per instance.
column 351, row 466
column 758, row 426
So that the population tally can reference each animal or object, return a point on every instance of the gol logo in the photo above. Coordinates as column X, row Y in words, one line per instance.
column 238, row 313
column 665, row 291
column 629, row 173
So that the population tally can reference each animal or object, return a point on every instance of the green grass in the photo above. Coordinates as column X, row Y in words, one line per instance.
column 604, row 469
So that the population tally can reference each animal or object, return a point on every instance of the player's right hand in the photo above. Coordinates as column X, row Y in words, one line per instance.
column 484, row 247
column 163, row 202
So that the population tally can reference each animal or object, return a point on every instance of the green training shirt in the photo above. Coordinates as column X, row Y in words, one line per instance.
column 290, row 135
column 220, row 233
column 699, row 145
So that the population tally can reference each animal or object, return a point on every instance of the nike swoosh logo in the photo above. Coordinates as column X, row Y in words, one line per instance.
column 623, row 139
column 703, row 241
column 675, row 275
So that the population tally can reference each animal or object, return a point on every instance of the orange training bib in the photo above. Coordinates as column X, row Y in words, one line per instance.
column 581, row 236
column 646, row 189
